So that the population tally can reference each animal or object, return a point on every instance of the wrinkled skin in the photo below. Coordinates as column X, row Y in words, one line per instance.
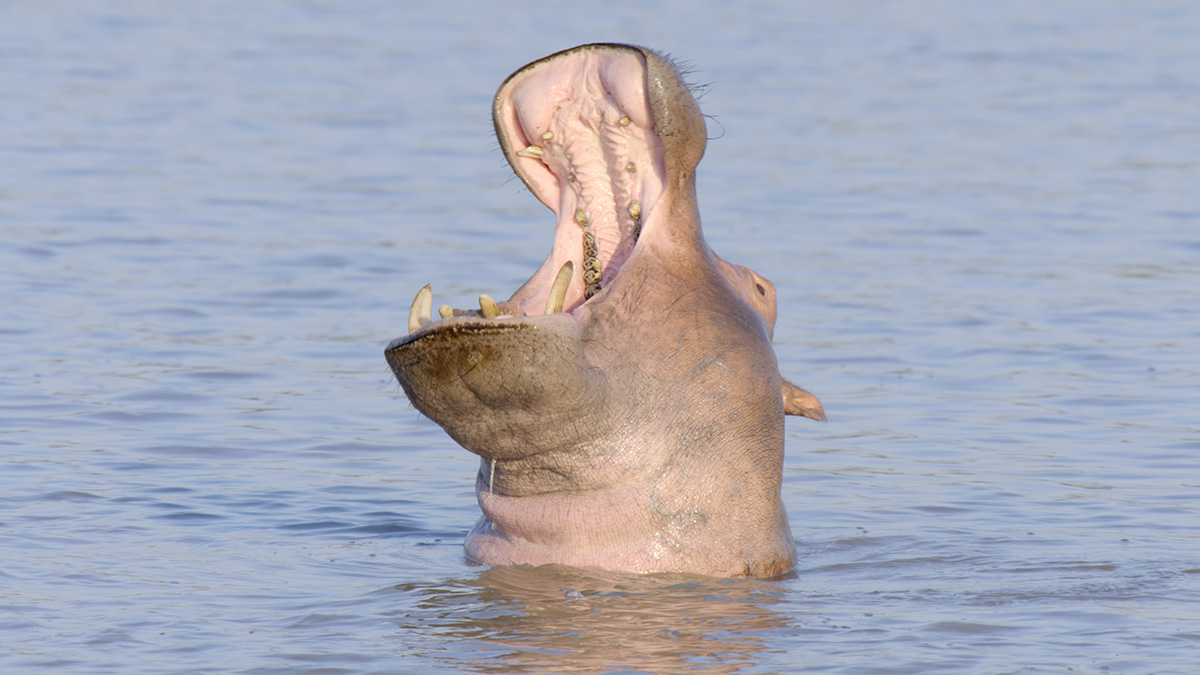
column 640, row 428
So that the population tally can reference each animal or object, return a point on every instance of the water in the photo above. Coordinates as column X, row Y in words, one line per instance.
column 984, row 228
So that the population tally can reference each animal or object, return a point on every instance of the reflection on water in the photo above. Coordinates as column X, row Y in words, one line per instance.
column 559, row 620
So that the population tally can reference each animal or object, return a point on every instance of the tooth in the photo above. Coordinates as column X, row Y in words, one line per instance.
column 635, row 209
column 631, row 167
column 625, row 120
column 571, row 177
column 534, row 151
column 422, row 304
column 548, row 135
column 591, row 261
column 445, row 312
column 581, row 217
column 487, row 307
column 558, row 291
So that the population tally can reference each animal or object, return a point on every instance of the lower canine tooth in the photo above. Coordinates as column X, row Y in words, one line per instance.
column 419, row 314
column 558, row 291
column 487, row 307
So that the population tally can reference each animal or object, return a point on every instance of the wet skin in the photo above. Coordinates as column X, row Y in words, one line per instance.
column 625, row 401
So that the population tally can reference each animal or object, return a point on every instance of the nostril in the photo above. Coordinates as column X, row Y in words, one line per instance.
column 761, row 291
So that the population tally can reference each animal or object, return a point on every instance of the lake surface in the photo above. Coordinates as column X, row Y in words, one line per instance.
column 983, row 220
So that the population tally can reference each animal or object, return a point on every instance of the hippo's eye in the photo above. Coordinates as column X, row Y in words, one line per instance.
column 761, row 291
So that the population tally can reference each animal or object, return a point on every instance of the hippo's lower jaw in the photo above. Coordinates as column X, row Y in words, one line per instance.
column 625, row 400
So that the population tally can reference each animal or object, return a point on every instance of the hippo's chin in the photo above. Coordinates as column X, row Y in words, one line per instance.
column 625, row 401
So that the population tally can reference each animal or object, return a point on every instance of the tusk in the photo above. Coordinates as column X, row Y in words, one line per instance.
column 422, row 304
column 487, row 307
column 558, row 291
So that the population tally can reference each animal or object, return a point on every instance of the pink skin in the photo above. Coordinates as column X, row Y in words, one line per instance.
column 640, row 429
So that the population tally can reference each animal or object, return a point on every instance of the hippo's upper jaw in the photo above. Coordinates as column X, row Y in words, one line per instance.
column 625, row 400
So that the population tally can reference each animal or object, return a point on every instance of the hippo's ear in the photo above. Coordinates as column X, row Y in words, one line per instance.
column 796, row 401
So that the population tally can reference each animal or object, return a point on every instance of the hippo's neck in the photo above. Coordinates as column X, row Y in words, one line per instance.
column 652, row 523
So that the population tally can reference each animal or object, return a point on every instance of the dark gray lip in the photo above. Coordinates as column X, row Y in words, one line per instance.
column 454, row 328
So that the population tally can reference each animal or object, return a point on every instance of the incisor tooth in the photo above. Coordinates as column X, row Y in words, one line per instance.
column 419, row 314
column 558, row 291
column 445, row 312
column 487, row 307
column 534, row 151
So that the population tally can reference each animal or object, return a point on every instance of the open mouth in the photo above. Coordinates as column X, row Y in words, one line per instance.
column 578, row 129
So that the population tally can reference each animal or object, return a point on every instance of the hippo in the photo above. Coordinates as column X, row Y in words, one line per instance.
column 625, row 402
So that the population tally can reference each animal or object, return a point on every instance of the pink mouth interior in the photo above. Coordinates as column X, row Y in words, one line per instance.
column 580, row 132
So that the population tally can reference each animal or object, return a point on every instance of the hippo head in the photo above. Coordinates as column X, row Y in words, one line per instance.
column 625, row 401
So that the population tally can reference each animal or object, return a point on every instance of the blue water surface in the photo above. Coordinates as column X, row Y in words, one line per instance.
column 982, row 220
